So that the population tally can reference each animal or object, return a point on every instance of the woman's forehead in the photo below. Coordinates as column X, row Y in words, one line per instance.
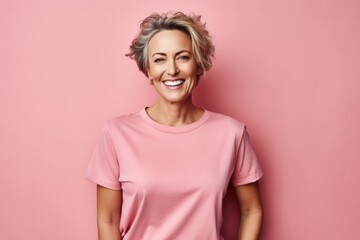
column 168, row 41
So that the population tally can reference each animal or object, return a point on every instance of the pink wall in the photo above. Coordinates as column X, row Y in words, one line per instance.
column 289, row 69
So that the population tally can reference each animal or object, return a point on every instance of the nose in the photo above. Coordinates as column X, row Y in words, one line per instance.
column 172, row 68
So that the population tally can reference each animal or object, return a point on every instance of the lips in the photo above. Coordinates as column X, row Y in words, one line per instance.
column 174, row 83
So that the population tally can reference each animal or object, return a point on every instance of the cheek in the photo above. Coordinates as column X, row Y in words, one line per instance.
column 154, row 72
column 191, row 70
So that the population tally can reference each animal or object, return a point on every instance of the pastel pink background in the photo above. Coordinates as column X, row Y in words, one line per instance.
column 288, row 69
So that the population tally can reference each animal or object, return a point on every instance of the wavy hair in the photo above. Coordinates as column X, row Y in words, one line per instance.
column 202, row 46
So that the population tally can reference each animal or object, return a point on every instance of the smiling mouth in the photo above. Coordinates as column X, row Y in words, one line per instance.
column 174, row 83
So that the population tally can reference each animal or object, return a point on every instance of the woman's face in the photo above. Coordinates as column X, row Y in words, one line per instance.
column 172, row 66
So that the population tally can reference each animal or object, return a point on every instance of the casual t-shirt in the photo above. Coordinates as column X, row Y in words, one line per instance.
column 173, row 178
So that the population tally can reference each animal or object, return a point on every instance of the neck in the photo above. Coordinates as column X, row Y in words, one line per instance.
column 174, row 114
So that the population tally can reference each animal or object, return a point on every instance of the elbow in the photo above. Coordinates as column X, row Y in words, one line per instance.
column 113, row 220
column 255, row 210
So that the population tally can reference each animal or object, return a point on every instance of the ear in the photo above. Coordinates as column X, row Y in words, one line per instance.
column 199, row 71
column 149, row 74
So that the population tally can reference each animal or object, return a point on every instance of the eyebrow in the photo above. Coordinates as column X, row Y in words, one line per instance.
column 178, row 53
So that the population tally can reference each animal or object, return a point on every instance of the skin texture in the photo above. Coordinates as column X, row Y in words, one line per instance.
column 251, row 211
column 171, row 59
column 108, row 213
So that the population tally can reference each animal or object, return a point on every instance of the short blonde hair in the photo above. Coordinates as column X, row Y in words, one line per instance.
column 202, row 46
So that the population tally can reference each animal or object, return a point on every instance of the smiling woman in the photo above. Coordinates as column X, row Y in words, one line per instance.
column 163, row 172
column 172, row 67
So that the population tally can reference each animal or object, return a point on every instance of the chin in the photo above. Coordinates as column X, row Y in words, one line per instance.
column 180, row 99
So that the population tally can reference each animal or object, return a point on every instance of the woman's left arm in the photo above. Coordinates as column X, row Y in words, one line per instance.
column 251, row 211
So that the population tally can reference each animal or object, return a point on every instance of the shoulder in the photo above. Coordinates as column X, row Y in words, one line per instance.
column 122, row 121
column 227, row 122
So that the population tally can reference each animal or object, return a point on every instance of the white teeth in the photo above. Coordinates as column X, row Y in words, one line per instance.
column 173, row 83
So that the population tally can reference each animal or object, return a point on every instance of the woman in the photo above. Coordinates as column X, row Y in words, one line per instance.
column 164, row 170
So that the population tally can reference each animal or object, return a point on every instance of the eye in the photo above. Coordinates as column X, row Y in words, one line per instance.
column 159, row 60
column 183, row 58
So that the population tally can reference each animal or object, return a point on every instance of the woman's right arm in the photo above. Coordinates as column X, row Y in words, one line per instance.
column 108, row 213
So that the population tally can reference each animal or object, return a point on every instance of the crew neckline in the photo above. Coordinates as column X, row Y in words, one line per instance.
column 175, row 129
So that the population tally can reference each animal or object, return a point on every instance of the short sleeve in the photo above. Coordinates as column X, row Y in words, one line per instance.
column 247, row 168
column 103, row 168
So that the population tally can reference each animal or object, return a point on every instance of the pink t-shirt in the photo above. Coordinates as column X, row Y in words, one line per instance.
column 173, row 179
